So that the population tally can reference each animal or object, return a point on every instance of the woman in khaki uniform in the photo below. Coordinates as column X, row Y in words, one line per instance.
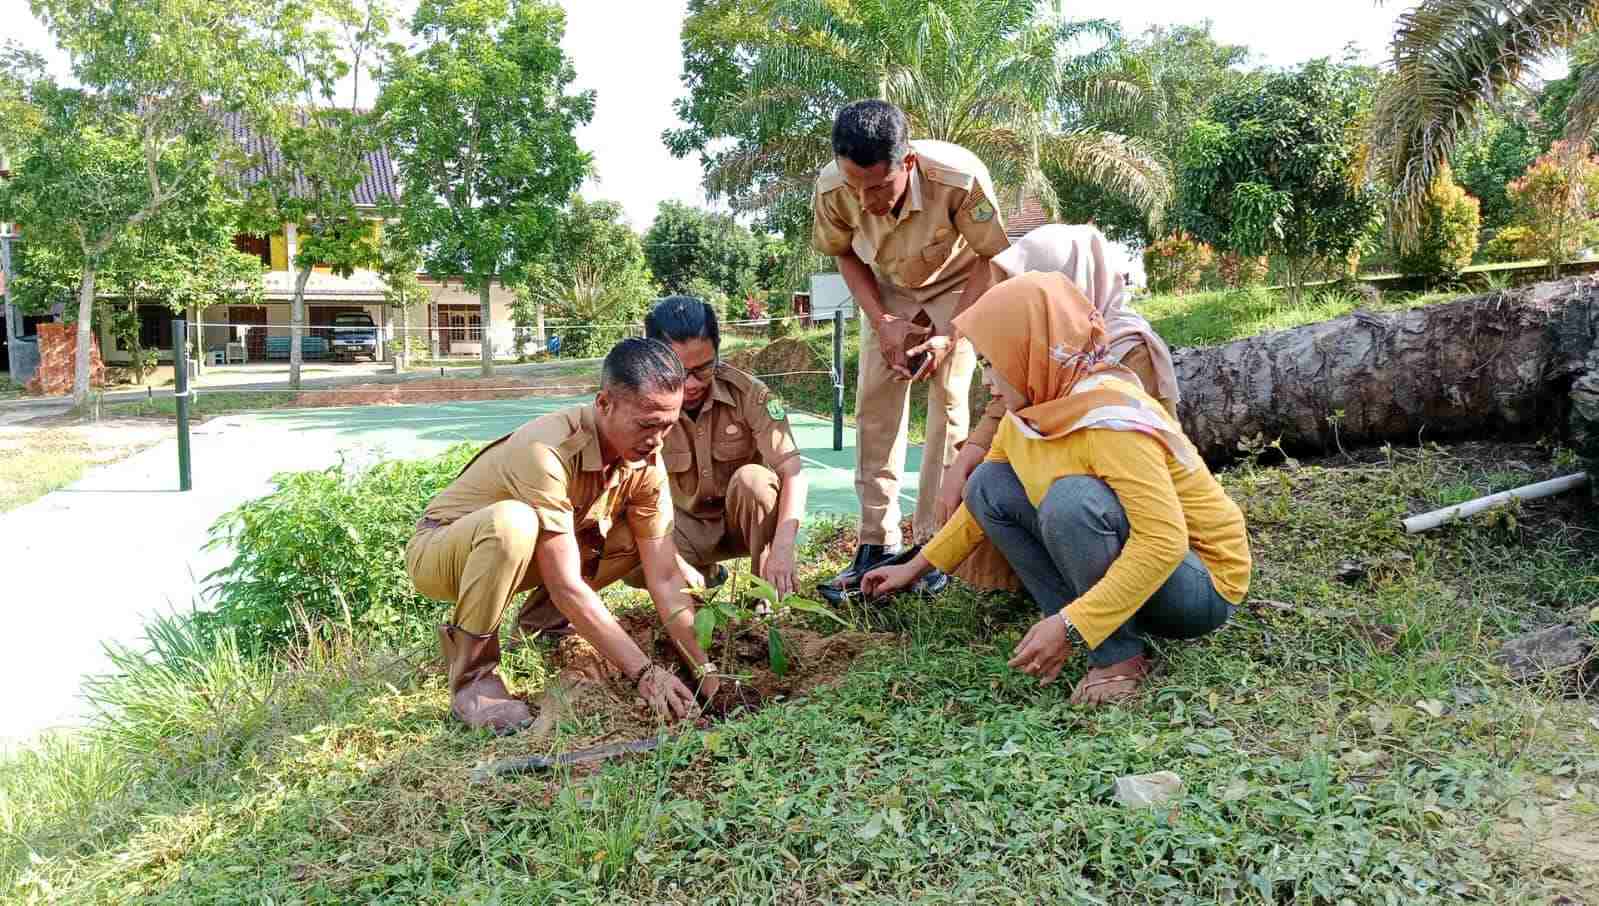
column 1085, row 257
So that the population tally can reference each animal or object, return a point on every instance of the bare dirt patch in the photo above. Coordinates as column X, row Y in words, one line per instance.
column 447, row 390
column 589, row 691
column 1563, row 836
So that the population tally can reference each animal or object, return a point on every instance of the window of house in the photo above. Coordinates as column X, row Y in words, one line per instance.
column 259, row 246
column 155, row 327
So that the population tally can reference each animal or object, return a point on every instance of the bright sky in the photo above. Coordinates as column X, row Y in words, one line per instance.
column 628, row 52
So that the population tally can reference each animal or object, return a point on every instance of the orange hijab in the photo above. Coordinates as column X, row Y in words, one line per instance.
column 1044, row 337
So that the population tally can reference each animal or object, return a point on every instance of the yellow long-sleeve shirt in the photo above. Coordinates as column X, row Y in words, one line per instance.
column 1169, row 510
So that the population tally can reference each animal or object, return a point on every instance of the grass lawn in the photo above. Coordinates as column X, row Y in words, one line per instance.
column 9, row 389
column 36, row 461
column 1340, row 743
column 206, row 404
column 50, row 460
column 1214, row 318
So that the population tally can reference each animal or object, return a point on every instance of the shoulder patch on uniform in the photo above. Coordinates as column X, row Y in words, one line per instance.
column 774, row 408
column 982, row 212
column 947, row 176
column 829, row 178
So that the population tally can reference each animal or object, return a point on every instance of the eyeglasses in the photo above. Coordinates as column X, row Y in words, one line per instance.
column 703, row 372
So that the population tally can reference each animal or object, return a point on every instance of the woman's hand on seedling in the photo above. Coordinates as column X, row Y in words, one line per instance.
column 1043, row 650
column 886, row 580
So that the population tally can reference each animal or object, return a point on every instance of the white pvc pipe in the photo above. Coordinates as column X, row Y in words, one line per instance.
column 1448, row 514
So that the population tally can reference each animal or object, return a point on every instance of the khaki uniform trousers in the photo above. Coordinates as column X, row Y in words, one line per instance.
column 882, row 416
column 746, row 528
column 482, row 560
column 750, row 523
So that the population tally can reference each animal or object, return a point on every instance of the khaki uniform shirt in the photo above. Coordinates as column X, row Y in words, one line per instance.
column 948, row 218
column 553, row 465
column 740, row 423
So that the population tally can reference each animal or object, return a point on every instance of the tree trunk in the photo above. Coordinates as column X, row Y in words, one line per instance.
column 487, row 342
column 404, row 353
column 297, row 326
column 80, row 365
column 1504, row 362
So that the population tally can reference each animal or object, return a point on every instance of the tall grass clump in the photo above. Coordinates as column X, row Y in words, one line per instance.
column 330, row 547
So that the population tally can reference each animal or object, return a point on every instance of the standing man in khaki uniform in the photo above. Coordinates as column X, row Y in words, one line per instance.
column 570, row 502
column 913, row 226
column 738, row 485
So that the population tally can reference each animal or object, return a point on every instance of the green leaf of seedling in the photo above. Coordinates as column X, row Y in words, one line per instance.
column 763, row 589
column 802, row 604
column 705, row 625
column 775, row 652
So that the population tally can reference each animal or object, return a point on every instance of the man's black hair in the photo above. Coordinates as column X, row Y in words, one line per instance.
column 639, row 365
column 870, row 132
column 679, row 319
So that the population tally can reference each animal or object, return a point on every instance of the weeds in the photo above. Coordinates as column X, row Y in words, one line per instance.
column 1347, row 743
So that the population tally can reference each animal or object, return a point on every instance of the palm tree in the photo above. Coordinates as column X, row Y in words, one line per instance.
column 1451, row 58
column 995, row 76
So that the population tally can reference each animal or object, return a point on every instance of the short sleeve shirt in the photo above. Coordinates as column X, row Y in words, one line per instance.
column 553, row 464
column 949, row 218
column 740, row 423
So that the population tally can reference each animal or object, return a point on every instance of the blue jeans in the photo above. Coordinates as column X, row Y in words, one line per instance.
column 1066, row 544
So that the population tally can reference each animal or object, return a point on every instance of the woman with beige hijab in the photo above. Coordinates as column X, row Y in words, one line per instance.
column 1088, row 260
column 1081, row 253
column 1091, row 492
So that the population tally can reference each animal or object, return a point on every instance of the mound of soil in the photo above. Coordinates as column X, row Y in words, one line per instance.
column 784, row 356
column 587, row 687
column 445, row 390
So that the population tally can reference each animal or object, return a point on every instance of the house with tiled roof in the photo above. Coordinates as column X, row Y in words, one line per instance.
column 447, row 322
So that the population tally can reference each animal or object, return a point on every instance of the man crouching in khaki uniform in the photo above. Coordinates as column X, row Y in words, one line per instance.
column 913, row 225
column 738, row 486
column 570, row 502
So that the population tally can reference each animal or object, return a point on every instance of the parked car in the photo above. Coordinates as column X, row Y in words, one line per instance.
column 354, row 334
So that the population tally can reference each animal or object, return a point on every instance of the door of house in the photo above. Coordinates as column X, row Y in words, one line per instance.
column 463, row 325
column 255, row 343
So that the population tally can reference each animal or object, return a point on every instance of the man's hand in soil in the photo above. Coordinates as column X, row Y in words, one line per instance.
column 779, row 566
column 892, row 334
column 666, row 694
column 1043, row 650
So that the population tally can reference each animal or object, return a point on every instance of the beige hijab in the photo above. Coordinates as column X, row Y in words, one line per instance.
column 1087, row 259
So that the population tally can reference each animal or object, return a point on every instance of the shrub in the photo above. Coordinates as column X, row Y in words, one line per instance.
column 1557, row 199
column 1446, row 234
column 1174, row 265
column 781, row 311
column 328, row 547
column 1509, row 244
column 1239, row 271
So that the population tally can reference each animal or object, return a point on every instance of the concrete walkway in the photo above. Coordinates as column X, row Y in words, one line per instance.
column 93, row 561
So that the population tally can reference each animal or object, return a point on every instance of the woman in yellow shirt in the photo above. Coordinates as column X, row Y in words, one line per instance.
column 1093, row 494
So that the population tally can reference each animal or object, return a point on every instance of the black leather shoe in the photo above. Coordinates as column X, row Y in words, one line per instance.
column 867, row 558
column 934, row 582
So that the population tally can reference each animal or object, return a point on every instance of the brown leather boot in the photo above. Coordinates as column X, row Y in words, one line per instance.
column 478, row 697
column 539, row 616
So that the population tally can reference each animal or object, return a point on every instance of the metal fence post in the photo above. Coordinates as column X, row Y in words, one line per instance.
column 838, row 379
column 180, row 377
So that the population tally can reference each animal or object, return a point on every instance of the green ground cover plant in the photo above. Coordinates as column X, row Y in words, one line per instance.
column 1340, row 742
